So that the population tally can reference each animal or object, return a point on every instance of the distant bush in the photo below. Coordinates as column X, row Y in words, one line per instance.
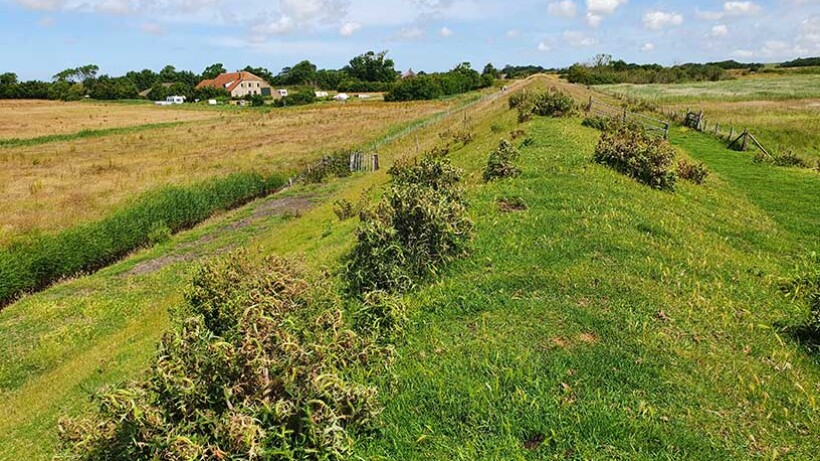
column 515, row 134
column 517, row 99
column 459, row 80
column 35, row 262
column 462, row 137
column 299, row 98
column 420, row 225
column 691, row 172
column 335, row 165
column 501, row 163
column 638, row 155
column 552, row 104
column 259, row 370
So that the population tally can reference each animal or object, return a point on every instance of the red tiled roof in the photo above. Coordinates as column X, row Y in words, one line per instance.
column 229, row 80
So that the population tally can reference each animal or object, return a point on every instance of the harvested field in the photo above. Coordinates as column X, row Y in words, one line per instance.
column 55, row 185
column 26, row 119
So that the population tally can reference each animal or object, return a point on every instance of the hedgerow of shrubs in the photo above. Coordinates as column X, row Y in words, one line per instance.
column 692, row 172
column 40, row 260
column 598, row 122
column 260, row 369
column 631, row 151
column 419, row 226
column 501, row 163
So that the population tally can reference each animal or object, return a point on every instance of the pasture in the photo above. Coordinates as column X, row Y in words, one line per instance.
column 781, row 110
column 54, row 185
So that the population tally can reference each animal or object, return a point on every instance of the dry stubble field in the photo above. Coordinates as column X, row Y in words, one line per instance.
column 51, row 186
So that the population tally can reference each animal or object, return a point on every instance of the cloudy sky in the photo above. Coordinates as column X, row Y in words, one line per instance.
column 41, row 37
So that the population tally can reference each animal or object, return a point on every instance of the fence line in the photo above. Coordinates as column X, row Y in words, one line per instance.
column 608, row 110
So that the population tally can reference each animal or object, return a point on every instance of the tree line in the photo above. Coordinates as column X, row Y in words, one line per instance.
column 368, row 72
column 603, row 69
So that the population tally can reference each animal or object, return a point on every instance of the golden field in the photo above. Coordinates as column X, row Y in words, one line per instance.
column 51, row 186
column 25, row 119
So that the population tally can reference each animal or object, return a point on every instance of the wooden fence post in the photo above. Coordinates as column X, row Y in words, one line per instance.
column 375, row 162
column 418, row 146
column 625, row 114
column 745, row 144
column 731, row 133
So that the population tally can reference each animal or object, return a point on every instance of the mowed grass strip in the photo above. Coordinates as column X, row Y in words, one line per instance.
column 608, row 320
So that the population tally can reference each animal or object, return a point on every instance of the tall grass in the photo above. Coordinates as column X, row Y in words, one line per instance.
column 83, row 134
column 37, row 261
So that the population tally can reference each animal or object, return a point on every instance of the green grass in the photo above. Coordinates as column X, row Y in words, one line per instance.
column 614, row 321
column 606, row 321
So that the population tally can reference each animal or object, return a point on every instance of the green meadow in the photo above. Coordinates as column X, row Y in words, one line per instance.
column 602, row 319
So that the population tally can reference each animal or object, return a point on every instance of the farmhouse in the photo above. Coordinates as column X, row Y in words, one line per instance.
column 239, row 84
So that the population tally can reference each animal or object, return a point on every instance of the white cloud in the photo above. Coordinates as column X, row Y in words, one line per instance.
column 544, row 46
column 604, row 7
column 349, row 28
column 513, row 33
column 740, row 8
column 283, row 25
column 121, row 7
column 733, row 8
column 742, row 53
column 152, row 29
column 42, row 5
column 410, row 33
column 445, row 32
column 562, row 8
column 46, row 21
column 720, row 30
column 598, row 9
column 657, row 20
column 594, row 20
column 648, row 47
column 578, row 39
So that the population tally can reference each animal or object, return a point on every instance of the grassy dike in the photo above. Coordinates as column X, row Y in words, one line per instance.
column 606, row 321
column 62, row 344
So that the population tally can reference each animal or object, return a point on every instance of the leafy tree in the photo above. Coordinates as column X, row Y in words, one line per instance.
column 372, row 67
column 143, row 79
column 213, row 71
column 77, row 74
column 8, row 78
column 261, row 72
column 303, row 73
column 490, row 69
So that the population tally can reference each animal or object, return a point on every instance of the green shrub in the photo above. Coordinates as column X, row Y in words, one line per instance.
column 598, row 122
column 517, row 99
column 381, row 315
column 638, row 155
column 552, row 104
column 501, row 163
column 336, row 165
column 37, row 261
column 299, row 98
column 343, row 209
column 419, row 226
column 790, row 159
column 259, row 371
column 691, row 172
column 462, row 137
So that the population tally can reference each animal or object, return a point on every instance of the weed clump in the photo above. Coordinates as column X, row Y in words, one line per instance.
column 251, row 374
column 511, row 204
column 419, row 226
column 691, row 172
column 638, row 155
column 501, row 163
column 805, row 287
column 343, row 209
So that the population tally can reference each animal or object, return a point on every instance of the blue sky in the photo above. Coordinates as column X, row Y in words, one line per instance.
column 42, row 37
